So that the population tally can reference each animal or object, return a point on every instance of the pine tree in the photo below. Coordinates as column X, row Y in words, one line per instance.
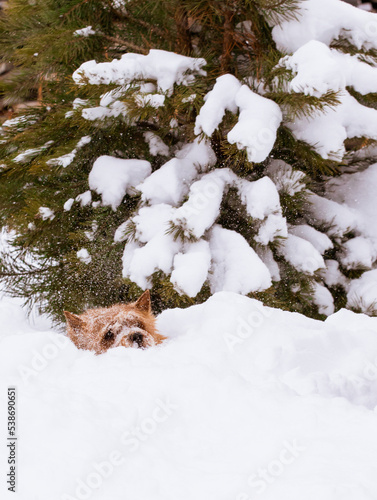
column 178, row 166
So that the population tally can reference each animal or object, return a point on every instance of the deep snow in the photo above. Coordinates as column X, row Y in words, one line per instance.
column 242, row 402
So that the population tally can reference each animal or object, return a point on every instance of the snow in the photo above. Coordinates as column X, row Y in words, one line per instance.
column 115, row 109
column 326, row 131
column 68, row 204
column 157, row 254
column 192, row 262
column 301, row 254
column 319, row 240
column 196, row 256
column 358, row 192
column 171, row 182
column 87, row 31
column 267, row 257
column 84, row 256
column 67, row 159
column 235, row 265
column 260, row 197
column 219, row 100
column 121, row 232
column 79, row 103
column 332, row 276
column 202, row 208
column 258, row 120
column 286, row 180
column 357, row 253
column 140, row 262
column 362, row 293
column 114, row 177
column 167, row 68
column 46, row 213
column 84, row 198
column 274, row 226
column 325, row 21
column 338, row 219
column 31, row 153
column 156, row 144
column 153, row 100
column 351, row 204
column 91, row 234
column 319, row 69
column 323, row 299
column 257, row 125
column 150, row 221
column 242, row 401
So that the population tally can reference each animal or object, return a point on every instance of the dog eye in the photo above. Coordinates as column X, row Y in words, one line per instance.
column 109, row 336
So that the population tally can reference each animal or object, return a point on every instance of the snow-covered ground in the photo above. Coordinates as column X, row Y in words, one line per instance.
column 242, row 402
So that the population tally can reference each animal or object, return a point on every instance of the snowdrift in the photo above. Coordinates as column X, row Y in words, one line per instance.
column 242, row 402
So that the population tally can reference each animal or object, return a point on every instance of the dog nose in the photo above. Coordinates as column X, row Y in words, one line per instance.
column 138, row 338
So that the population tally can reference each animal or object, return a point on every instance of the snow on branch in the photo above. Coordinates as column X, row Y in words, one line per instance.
column 258, row 120
column 319, row 69
column 327, row 131
column 167, row 68
column 114, row 177
column 325, row 21
column 235, row 267
column 257, row 124
column 220, row 99
column 171, row 182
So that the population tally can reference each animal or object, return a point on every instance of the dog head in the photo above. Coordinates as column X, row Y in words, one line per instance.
column 128, row 325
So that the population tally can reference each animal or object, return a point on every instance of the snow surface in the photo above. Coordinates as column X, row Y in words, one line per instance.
column 241, row 402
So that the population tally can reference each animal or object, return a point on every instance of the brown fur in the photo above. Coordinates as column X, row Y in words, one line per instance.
column 128, row 325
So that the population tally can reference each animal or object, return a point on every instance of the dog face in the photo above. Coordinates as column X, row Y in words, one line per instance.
column 128, row 325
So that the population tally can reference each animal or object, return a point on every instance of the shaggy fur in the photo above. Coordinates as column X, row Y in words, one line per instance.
column 128, row 325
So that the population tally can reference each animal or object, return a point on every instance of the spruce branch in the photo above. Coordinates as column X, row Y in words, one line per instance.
column 124, row 44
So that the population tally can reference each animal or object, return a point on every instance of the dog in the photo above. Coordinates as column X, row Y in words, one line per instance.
column 128, row 325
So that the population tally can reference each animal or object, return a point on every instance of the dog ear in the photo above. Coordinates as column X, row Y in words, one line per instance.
column 143, row 303
column 74, row 321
